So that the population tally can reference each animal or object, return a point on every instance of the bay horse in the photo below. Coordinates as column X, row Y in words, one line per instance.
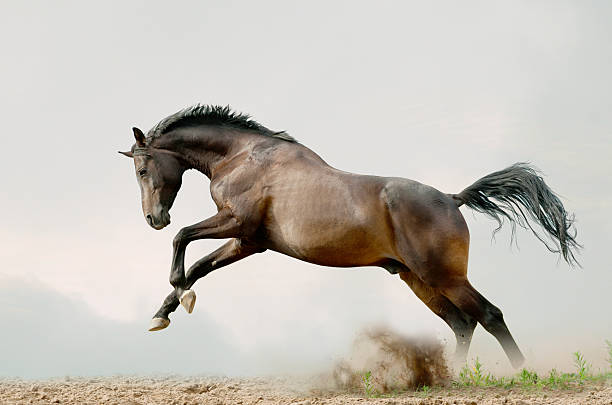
column 272, row 192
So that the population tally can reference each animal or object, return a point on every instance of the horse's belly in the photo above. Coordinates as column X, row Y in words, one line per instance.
column 337, row 241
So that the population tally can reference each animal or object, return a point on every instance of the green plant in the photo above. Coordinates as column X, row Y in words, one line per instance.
column 505, row 382
column 564, row 380
column 554, row 378
column 475, row 375
column 527, row 377
column 582, row 367
column 463, row 375
column 367, row 384
column 425, row 390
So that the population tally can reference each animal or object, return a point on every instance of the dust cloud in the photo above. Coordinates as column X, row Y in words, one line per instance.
column 392, row 361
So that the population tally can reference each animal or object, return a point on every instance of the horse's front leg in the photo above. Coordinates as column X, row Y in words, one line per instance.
column 222, row 225
column 230, row 252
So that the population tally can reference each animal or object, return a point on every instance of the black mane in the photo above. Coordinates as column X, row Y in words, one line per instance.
column 213, row 115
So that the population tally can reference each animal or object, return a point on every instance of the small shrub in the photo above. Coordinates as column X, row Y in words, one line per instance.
column 527, row 377
column 425, row 390
column 582, row 367
column 367, row 384
column 554, row 379
column 475, row 376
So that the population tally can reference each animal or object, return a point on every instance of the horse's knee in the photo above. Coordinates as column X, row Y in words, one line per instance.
column 495, row 314
column 462, row 325
column 493, row 318
column 464, row 321
column 179, row 239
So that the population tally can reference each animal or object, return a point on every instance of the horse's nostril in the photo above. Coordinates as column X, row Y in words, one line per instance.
column 149, row 219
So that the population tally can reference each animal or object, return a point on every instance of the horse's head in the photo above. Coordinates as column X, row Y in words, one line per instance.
column 159, row 174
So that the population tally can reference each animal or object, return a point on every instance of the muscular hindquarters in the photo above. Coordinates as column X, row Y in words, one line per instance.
column 433, row 241
column 431, row 237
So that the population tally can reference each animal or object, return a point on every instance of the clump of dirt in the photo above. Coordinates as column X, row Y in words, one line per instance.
column 385, row 361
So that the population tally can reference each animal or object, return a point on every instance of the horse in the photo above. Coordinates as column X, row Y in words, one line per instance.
column 272, row 192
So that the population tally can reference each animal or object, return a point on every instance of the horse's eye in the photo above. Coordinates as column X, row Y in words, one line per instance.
column 142, row 172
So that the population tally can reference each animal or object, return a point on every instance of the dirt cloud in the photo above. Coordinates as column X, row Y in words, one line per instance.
column 386, row 361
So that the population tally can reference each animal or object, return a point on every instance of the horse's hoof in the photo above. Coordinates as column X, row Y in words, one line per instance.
column 158, row 324
column 188, row 300
column 517, row 361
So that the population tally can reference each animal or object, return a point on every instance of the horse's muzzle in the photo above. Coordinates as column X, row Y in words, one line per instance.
column 158, row 222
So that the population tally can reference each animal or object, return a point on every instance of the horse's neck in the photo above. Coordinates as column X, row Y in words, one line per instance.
column 202, row 148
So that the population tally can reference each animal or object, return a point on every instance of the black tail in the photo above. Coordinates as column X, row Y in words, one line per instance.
column 517, row 189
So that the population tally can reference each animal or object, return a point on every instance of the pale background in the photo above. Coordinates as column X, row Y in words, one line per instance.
column 440, row 92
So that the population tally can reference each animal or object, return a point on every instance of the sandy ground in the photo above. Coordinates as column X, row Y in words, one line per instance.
column 395, row 363
column 265, row 391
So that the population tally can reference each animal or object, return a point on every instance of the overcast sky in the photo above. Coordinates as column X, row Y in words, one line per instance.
column 440, row 92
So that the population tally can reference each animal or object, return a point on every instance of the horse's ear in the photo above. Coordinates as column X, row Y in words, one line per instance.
column 140, row 137
column 128, row 154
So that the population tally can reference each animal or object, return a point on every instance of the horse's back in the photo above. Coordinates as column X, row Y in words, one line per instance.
column 330, row 217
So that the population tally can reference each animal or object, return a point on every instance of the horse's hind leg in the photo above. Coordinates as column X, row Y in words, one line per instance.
column 461, row 323
column 470, row 301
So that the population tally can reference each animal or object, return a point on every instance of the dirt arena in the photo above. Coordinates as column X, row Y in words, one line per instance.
column 398, row 369
column 266, row 391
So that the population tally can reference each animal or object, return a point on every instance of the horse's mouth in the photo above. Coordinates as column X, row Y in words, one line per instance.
column 159, row 223
column 159, row 226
